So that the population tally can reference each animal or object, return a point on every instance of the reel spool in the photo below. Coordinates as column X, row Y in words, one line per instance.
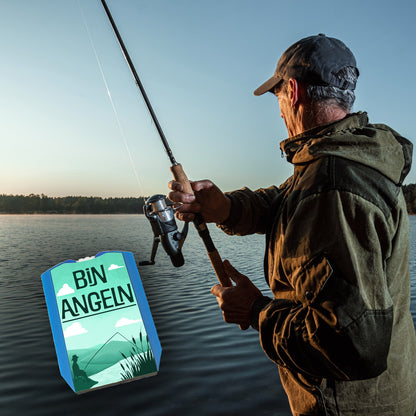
column 165, row 230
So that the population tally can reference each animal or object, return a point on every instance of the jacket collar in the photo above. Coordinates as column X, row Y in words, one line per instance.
column 352, row 121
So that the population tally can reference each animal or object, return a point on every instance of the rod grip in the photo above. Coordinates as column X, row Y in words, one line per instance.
column 180, row 176
column 219, row 268
column 212, row 252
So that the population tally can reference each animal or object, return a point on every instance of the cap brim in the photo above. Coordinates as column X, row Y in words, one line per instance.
column 268, row 85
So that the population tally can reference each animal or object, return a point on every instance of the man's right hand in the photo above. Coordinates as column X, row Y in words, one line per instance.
column 208, row 200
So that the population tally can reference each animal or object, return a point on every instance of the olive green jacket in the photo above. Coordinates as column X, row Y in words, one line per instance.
column 337, row 261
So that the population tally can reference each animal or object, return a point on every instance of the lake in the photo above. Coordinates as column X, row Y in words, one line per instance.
column 207, row 367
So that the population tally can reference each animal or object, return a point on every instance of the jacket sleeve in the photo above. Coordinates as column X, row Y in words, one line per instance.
column 338, row 319
column 250, row 210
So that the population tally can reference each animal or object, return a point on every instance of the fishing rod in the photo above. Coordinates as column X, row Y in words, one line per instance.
column 168, row 235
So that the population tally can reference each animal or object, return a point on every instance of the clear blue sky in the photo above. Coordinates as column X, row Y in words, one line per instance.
column 199, row 62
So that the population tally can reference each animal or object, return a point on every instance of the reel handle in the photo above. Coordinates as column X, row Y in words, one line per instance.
column 180, row 176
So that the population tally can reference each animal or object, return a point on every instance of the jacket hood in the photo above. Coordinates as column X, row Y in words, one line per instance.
column 374, row 145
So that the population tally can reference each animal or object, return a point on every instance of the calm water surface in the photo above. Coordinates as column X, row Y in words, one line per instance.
column 207, row 367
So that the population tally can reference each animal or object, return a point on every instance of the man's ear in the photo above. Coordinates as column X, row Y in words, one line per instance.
column 293, row 92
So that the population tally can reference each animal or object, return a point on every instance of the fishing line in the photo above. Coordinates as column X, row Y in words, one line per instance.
column 176, row 168
column 120, row 127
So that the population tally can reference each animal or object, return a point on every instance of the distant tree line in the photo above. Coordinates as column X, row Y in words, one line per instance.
column 410, row 197
column 32, row 204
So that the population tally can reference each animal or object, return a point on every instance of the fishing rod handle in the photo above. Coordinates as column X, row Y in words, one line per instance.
column 215, row 258
column 218, row 267
column 180, row 176
column 212, row 252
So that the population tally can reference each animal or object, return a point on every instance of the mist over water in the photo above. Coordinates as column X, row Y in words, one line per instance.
column 207, row 367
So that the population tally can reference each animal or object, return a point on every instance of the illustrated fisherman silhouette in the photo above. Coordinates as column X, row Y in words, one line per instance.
column 81, row 379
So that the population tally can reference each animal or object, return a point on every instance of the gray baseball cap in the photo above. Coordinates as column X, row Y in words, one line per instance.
column 314, row 60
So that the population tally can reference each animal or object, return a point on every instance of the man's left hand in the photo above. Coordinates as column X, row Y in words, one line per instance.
column 236, row 301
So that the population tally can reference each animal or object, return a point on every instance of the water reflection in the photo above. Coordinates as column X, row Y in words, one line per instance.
column 207, row 367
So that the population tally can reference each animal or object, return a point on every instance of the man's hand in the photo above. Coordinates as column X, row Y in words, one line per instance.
column 236, row 301
column 208, row 200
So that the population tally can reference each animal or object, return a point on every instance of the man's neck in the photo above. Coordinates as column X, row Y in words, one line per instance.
column 318, row 116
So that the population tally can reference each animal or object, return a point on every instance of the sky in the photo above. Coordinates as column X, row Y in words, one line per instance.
column 73, row 121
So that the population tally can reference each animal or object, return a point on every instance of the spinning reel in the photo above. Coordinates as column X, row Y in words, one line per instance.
column 165, row 230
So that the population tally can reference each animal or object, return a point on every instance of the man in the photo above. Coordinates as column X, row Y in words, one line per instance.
column 339, row 325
